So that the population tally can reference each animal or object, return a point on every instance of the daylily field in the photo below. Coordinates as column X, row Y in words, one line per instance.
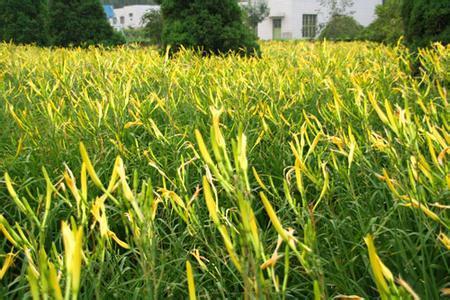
column 319, row 170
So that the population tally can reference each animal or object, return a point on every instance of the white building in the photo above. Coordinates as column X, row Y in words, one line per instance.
column 300, row 19
column 111, row 16
column 130, row 16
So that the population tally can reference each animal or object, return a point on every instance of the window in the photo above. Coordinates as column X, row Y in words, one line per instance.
column 130, row 15
column 122, row 20
column 115, row 21
column 276, row 34
column 309, row 26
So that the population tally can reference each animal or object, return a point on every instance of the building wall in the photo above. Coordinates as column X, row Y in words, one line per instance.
column 292, row 11
column 131, row 16
column 115, row 24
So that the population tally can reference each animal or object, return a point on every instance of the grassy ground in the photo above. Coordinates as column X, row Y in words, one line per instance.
column 319, row 170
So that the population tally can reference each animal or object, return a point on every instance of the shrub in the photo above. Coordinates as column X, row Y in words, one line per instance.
column 426, row 21
column 136, row 35
column 80, row 23
column 213, row 26
column 341, row 27
column 23, row 21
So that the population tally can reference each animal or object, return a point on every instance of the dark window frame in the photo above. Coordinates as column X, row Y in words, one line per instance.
column 309, row 25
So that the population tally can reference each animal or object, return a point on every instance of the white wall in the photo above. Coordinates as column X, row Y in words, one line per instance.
column 115, row 23
column 292, row 11
column 132, row 15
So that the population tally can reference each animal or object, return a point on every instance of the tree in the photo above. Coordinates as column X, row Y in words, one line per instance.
column 388, row 26
column 23, row 21
column 153, row 26
column 256, row 12
column 341, row 28
column 426, row 21
column 80, row 23
column 212, row 26
column 337, row 7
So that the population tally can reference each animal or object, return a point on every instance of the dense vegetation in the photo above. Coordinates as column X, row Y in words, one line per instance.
column 210, row 26
column 341, row 27
column 388, row 26
column 56, row 23
column 80, row 22
column 23, row 21
column 320, row 170
column 426, row 21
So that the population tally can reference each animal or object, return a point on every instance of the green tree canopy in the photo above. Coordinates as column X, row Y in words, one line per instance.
column 80, row 22
column 426, row 21
column 214, row 26
column 388, row 26
column 341, row 27
column 23, row 21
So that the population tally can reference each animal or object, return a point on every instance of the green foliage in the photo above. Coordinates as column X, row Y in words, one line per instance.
column 341, row 27
column 23, row 21
column 256, row 13
column 136, row 35
column 337, row 7
column 344, row 140
column 80, row 23
column 153, row 26
column 388, row 27
column 426, row 21
column 211, row 26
